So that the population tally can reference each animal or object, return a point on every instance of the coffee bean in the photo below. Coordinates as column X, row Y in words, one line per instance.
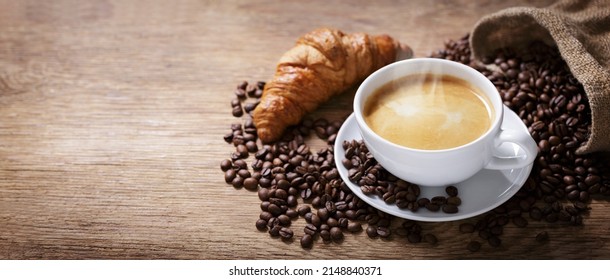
column 452, row 191
column 433, row 207
column 281, row 194
column 336, row 234
column 450, row 208
column 261, row 224
column 304, row 210
column 310, row 229
column 230, row 174
column 244, row 173
column 250, row 183
column 275, row 210
column 354, row 227
column 332, row 222
column 226, row 165
column 544, row 145
column 237, row 182
column 275, row 231
column 315, row 220
column 237, row 111
column 454, row 200
column 440, row 200
column 286, row 233
column 467, row 228
column 383, row 232
column 323, row 214
column 307, row 241
column 371, row 231
column 284, row 220
column 473, row 246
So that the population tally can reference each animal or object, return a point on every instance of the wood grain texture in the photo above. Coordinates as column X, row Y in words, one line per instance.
column 112, row 115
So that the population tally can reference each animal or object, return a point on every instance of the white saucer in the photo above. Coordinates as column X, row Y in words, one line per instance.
column 483, row 192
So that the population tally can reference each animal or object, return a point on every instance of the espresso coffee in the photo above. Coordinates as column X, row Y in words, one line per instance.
column 428, row 112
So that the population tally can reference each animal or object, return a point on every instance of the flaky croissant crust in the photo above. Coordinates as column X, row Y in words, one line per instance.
column 323, row 63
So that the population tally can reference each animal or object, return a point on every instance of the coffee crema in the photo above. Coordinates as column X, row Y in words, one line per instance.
column 428, row 112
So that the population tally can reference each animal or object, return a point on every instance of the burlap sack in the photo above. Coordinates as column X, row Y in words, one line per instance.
column 580, row 30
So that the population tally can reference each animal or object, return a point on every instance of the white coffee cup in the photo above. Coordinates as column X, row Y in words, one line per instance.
column 447, row 166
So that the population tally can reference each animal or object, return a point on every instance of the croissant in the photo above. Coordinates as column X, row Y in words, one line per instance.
column 323, row 63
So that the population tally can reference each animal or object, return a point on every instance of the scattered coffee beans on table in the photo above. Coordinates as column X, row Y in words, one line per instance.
column 293, row 181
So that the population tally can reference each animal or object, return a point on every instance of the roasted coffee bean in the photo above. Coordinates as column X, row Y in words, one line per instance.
column 323, row 214
column 226, row 165
column 450, row 208
column 281, row 194
column 454, row 200
column 240, row 94
column 251, row 147
column 440, row 200
column 433, row 207
column 261, row 224
column 284, row 220
column 250, row 183
column 332, row 222
column 354, row 227
column 325, row 234
column 275, row 210
column 265, row 215
column 304, row 209
column 315, row 220
column 383, row 232
column 371, row 231
column 244, row 173
column 237, row 182
column 336, row 234
column 265, row 205
column 275, row 231
column 310, row 229
column 286, row 233
column 467, row 228
column 451, row 191
column 237, row 111
column 240, row 164
column 473, row 246
column 307, row 241
column 230, row 174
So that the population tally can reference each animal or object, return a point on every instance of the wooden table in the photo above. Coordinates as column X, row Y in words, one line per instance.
column 112, row 116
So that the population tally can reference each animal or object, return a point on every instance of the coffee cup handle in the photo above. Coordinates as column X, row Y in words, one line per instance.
column 524, row 141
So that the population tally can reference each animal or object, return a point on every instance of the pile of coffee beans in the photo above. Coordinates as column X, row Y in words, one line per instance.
column 537, row 84
column 373, row 179
column 293, row 181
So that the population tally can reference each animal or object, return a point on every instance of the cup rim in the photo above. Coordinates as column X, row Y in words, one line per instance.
column 358, row 102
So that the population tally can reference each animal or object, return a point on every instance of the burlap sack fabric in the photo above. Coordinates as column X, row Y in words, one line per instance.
column 581, row 31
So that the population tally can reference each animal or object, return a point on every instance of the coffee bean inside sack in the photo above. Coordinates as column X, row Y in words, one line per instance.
column 294, row 181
